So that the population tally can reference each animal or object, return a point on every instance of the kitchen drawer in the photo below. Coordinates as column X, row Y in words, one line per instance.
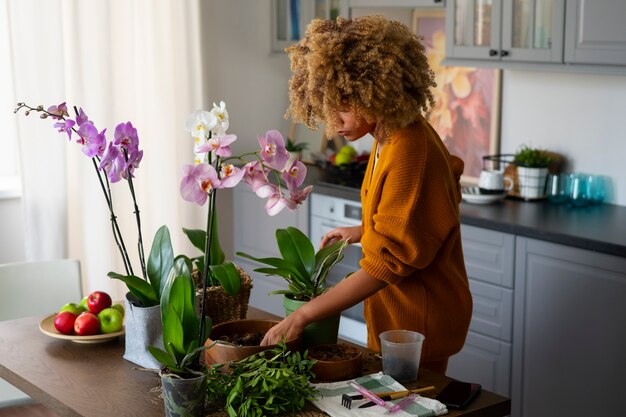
column 489, row 255
column 346, row 212
column 493, row 310
column 485, row 361
column 261, row 285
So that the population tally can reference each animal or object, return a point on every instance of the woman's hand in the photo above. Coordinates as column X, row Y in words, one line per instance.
column 287, row 329
column 351, row 234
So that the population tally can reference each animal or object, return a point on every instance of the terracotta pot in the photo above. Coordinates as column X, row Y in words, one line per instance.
column 342, row 362
column 224, row 352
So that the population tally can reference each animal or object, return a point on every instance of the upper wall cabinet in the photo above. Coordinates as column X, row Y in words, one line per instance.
column 595, row 32
column 505, row 30
column 291, row 17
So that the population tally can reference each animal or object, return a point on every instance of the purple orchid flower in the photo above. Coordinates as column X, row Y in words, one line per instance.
column 82, row 117
column 197, row 181
column 218, row 144
column 273, row 150
column 134, row 158
column 94, row 143
column 65, row 126
column 113, row 163
column 58, row 111
column 126, row 136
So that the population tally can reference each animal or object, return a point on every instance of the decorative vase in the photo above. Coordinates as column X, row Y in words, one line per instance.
column 143, row 328
column 220, row 306
column 322, row 332
column 240, row 329
column 184, row 397
column 532, row 182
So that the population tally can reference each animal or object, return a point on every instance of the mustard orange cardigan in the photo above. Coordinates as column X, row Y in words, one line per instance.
column 411, row 240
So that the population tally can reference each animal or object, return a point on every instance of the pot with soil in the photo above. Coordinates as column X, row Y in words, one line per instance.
column 336, row 362
column 238, row 339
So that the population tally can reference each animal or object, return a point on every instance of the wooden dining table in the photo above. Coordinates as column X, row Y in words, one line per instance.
column 93, row 380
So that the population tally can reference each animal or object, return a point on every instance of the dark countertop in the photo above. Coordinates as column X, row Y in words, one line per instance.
column 600, row 228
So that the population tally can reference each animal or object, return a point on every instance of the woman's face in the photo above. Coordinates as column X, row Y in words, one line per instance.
column 351, row 126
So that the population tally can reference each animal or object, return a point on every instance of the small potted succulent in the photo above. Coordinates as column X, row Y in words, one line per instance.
column 305, row 271
column 532, row 171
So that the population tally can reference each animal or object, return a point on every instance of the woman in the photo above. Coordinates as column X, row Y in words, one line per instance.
column 370, row 75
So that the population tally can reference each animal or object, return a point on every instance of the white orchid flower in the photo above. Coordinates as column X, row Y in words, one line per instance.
column 200, row 123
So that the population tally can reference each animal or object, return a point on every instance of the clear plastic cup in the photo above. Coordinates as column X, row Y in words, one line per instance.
column 401, row 351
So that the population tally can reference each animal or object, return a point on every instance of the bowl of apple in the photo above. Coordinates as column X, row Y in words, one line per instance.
column 96, row 319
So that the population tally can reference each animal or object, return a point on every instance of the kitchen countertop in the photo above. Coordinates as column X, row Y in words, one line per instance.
column 600, row 228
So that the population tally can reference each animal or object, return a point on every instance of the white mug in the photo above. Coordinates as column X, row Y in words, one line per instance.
column 494, row 182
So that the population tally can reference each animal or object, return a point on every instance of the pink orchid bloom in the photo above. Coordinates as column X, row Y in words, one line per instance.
column 197, row 182
column 298, row 197
column 295, row 174
column 58, row 111
column 275, row 204
column 273, row 151
column 218, row 144
column 134, row 158
column 82, row 117
column 231, row 175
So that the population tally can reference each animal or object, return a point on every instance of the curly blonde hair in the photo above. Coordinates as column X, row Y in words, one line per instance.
column 374, row 66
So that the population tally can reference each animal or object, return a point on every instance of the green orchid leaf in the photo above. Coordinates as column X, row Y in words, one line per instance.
column 138, row 287
column 279, row 264
column 228, row 276
column 295, row 247
column 160, row 260
column 162, row 356
column 197, row 237
column 173, row 333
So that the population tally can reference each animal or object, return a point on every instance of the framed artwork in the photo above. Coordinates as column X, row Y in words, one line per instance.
column 467, row 100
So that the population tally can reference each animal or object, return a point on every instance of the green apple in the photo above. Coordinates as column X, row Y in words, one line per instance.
column 111, row 320
column 119, row 308
column 73, row 308
column 83, row 304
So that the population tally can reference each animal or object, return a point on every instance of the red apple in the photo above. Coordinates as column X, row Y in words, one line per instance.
column 98, row 301
column 87, row 324
column 64, row 322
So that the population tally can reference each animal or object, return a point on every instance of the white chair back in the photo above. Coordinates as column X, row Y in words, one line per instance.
column 35, row 289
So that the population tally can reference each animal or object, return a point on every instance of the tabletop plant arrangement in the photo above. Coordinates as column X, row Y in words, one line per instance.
column 532, row 171
column 114, row 161
column 305, row 271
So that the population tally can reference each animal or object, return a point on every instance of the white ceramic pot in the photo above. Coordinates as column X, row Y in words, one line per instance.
column 532, row 182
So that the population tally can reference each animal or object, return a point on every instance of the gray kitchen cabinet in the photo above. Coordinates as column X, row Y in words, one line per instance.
column 595, row 32
column 569, row 351
column 505, row 30
column 486, row 355
column 255, row 234
column 290, row 18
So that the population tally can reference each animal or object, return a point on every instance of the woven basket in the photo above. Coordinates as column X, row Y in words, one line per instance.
column 220, row 306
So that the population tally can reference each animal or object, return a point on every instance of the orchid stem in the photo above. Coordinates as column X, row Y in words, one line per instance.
column 142, row 259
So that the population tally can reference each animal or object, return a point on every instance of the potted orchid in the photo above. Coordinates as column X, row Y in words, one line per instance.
column 269, row 172
column 115, row 161
column 184, row 334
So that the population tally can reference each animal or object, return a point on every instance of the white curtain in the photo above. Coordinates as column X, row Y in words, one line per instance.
column 120, row 60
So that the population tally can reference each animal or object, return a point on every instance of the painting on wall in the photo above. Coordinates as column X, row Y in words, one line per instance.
column 467, row 100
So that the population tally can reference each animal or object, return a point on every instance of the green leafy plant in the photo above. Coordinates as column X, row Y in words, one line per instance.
column 160, row 262
column 303, row 268
column 271, row 382
column 292, row 146
column 532, row 157
column 181, row 333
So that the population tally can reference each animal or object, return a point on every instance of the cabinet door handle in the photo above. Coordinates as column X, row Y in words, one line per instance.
column 504, row 53
column 493, row 52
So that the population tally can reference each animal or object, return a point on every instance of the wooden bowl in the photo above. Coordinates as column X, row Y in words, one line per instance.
column 336, row 362
column 224, row 352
